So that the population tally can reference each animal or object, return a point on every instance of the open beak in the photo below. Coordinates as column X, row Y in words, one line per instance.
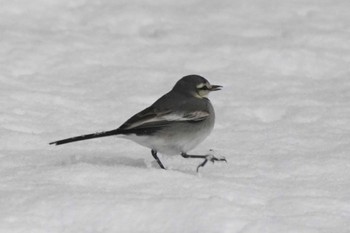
column 215, row 87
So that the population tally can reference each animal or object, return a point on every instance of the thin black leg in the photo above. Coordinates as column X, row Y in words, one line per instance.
column 206, row 158
column 154, row 153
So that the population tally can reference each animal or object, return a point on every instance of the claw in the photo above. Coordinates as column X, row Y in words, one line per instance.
column 211, row 158
column 218, row 159
column 202, row 164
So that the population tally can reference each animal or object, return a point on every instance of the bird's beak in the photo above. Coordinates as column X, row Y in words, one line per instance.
column 215, row 87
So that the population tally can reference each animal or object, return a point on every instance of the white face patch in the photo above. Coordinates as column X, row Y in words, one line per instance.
column 200, row 86
column 203, row 90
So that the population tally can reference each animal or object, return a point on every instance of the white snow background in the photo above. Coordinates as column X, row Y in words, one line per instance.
column 73, row 67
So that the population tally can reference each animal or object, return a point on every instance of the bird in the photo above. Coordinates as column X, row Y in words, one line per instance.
column 173, row 125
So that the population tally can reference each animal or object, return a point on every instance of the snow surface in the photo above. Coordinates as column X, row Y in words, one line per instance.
column 73, row 67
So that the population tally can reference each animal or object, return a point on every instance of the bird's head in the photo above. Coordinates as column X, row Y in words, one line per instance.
column 196, row 86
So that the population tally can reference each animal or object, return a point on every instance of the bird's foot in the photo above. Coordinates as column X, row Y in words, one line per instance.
column 212, row 158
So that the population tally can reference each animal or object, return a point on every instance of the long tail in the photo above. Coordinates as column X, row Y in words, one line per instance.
column 87, row 136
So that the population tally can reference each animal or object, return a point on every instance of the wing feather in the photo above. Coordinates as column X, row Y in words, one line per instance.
column 150, row 117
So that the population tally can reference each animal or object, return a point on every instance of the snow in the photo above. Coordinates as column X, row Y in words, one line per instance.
column 73, row 67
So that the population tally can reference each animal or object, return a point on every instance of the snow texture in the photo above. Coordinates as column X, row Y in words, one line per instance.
column 73, row 67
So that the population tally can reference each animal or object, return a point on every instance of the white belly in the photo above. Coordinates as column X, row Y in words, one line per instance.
column 177, row 140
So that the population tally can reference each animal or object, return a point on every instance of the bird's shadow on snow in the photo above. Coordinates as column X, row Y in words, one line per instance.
column 116, row 161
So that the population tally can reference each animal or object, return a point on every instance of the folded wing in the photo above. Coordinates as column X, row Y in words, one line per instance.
column 151, row 120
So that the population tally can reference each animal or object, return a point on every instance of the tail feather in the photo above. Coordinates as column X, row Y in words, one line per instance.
column 86, row 137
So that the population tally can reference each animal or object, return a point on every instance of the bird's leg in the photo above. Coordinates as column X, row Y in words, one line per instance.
column 209, row 157
column 154, row 153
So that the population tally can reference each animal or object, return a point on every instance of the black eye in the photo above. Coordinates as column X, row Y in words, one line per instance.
column 204, row 88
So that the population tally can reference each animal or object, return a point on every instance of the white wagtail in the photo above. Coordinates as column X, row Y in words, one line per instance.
column 175, row 124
